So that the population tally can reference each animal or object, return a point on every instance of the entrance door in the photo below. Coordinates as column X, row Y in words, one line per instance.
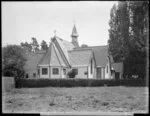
column 117, row 75
column 64, row 72
column 98, row 72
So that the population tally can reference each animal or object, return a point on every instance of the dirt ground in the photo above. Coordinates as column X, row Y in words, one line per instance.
column 77, row 99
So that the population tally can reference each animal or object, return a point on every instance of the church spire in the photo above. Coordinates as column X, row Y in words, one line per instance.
column 74, row 32
column 74, row 36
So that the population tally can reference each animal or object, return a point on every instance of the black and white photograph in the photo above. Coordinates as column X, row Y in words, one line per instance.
column 75, row 57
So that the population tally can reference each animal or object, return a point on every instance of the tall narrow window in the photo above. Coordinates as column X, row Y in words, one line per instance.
column 38, row 71
column 64, row 71
column 91, row 67
column 107, row 69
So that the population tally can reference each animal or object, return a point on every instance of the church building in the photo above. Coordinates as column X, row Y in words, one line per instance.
column 63, row 56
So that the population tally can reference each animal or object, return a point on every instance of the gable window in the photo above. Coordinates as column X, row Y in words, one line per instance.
column 55, row 71
column 75, row 70
column 38, row 71
column 91, row 67
column 44, row 71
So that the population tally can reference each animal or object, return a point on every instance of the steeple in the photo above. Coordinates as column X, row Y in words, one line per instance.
column 74, row 32
column 74, row 36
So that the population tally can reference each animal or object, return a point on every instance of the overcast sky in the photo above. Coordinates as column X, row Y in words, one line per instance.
column 23, row 20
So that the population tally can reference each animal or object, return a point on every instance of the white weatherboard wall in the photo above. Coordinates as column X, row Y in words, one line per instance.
column 62, row 72
column 89, row 72
column 107, row 74
column 44, row 76
column 81, row 71
column 103, row 72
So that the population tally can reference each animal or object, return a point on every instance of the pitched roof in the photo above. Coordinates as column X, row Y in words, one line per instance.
column 80, row 57
column 52, row 57
column 33, row 59
column 100, row 53
column 65, row 46
column 40, row 52
column 45, row 60
column 58, row 56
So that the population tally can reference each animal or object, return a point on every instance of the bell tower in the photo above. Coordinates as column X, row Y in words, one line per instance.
column 74, row 36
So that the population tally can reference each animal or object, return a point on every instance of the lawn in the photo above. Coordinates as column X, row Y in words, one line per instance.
column 50, row 99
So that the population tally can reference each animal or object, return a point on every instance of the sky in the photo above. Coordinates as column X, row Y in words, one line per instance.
column 23, row 20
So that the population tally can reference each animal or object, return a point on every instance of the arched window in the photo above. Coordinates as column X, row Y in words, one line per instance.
column 91, row 66
column 107, row 69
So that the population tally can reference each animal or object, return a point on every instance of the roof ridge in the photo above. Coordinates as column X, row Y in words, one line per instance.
column 57, row 55
column 98, row 46
column 80, row 50
column 65, row 57
column 50, row 47
column 61, row 39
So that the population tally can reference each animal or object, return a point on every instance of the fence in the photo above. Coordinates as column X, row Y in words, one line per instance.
column 8, row 83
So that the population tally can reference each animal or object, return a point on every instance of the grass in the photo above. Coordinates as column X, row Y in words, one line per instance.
column 91, row 99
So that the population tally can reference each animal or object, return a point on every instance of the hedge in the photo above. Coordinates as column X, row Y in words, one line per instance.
column 77, row 82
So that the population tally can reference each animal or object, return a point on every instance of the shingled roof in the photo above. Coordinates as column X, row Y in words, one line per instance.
column 80, row 57
column 52, row 57
column 100, row 53
column 65, row 46
column 33, row 59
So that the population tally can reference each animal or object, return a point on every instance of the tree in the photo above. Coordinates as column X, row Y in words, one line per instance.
column 26, row 46
column 127, row 35
column 34, row 44
column 84, row 46
column 115, row 43
column 140, row 29
column 13, row 61
column 44, row 45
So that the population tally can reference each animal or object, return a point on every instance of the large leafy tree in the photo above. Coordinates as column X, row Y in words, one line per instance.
column 44, row 45
column 115, row 41
column 13, row 59
column 34, row 44
column 128, row 35
column 84, row 45
column 27, row 46
column 140, row 29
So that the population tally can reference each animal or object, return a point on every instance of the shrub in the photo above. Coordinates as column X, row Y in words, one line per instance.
column 13, row 61
column 78, row 82
column 72, row 74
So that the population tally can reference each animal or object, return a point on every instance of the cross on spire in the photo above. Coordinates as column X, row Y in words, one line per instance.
column 74, row 22
column 55, row 32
